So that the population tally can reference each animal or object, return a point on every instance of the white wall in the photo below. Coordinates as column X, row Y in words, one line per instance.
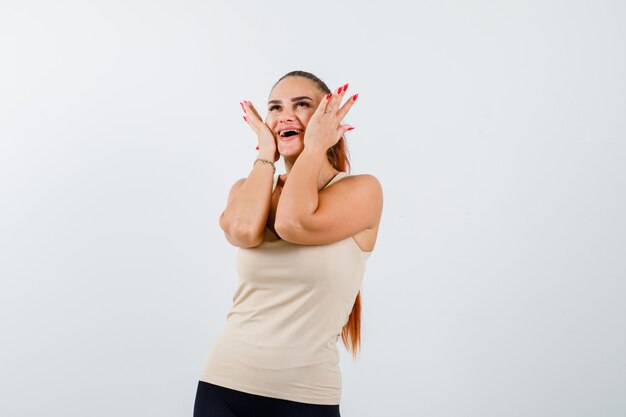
column 496, row 128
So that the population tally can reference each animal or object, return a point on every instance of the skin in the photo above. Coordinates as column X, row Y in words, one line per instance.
column 299, row 210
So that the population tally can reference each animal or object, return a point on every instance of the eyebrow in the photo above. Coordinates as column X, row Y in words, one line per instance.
column 293, row 99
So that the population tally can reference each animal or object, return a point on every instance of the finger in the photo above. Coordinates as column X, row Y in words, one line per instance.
column 249, row 119
column 252, row 121
column 249, row 108
column 341, row 113
column 246, row 114
column 251, row 114
column 335, row 101
column 321, row 108
column 344, row 128
column 255, row 111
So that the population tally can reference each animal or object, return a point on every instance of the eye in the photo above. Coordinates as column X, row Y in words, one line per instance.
column 274, row 107
column 303, row 103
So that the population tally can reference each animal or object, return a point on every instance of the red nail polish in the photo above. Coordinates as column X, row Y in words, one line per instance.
column 242, row 108
column 339, row 90
column 257, row 148
column 355, row 96
column 245, row 118
column 345, row 87
column 350, row 128
column 328, row 95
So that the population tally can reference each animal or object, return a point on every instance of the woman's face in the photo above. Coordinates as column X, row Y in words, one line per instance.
column 290, row 106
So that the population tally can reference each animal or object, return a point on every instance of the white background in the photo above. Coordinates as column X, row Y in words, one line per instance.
column 497, row 130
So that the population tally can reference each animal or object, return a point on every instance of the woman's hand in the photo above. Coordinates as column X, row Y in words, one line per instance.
column 323, row 130
column 266, row 138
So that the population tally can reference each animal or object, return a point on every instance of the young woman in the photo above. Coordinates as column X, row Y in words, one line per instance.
column 304, row 239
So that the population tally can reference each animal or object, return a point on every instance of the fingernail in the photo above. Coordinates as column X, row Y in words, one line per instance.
column 355, row 96
column 242, row 108
column 350, row 128
column 245, row 118
column 345, row 87
column 328, row 95
column 257, row 148
column 339, row 90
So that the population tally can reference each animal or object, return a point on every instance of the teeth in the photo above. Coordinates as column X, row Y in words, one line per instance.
column 284, row 132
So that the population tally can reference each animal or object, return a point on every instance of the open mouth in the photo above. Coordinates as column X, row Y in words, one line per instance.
column 289, row 133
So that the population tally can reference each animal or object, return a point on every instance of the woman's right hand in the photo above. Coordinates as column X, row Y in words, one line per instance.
column 265, row 136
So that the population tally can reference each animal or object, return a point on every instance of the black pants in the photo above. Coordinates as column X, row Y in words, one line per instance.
column 216, row 401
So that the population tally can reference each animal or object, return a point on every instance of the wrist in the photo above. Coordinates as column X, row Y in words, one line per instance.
column 315, row 150
column 264, row 161
column 267, row 155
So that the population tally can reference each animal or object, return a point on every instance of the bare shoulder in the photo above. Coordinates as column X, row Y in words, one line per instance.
column 370, row 179
column 367, row 192
column 363, row 183
column 358, row 189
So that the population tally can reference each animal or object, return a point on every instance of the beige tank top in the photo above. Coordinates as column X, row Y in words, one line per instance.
column 290, row 305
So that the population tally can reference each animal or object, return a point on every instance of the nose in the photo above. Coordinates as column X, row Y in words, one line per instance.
column 286, row 115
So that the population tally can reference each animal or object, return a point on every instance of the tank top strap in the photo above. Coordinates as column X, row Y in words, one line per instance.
column 337, row 177
column 275, row 181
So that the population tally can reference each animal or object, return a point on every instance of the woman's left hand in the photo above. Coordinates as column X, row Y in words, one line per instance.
column 323, row 130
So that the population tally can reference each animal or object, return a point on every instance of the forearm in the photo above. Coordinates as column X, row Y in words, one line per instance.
column 299, row 198
column 246, row 214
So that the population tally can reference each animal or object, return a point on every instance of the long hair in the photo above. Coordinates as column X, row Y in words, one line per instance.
column 339, row 158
